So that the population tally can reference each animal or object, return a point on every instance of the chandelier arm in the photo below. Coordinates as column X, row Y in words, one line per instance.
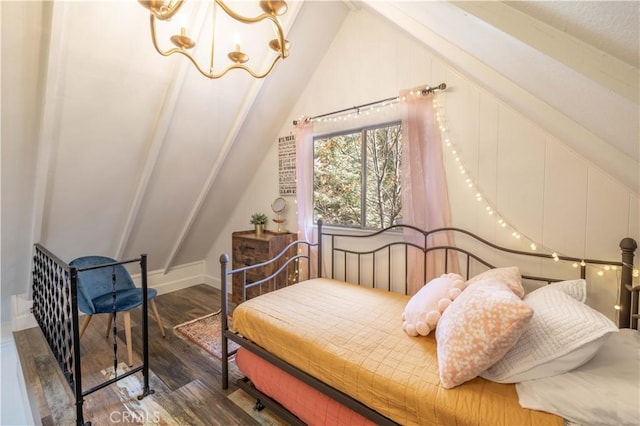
column 242, row 18
column 193, row 61
column 280, row 34
column 173, row 50
column 167, row 12
column 152, row 22
column 242, row 67
column 214, row 76
column 251, row 72
column 166, row 52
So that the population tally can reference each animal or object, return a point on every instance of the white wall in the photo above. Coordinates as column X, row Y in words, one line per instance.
column 19, row 143
column 545, row 189
column 542, row 188
column 258, row 197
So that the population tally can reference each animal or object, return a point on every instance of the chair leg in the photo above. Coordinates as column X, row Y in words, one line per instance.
column 154, row 308
column 85, row 324
column 109, row 325
column 127, row 333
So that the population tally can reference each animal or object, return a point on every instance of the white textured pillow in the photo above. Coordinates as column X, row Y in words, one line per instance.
column 562, row 335
column 603, row 391
column 509, row 275
column 574, row 288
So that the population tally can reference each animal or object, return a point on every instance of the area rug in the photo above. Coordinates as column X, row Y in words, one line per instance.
column 206, row 333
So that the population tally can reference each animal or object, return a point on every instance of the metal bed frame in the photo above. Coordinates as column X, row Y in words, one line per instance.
column 339, row 254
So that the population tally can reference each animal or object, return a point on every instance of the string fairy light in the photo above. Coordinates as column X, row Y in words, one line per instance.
column 477, row 192
column 367, row 109
column 490, row 209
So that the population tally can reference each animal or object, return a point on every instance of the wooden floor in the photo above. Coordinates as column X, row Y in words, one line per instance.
column 185, row 379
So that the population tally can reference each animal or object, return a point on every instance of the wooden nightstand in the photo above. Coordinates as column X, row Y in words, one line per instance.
column 248, row 249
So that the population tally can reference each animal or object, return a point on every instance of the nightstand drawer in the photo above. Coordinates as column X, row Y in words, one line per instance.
column 248, row 249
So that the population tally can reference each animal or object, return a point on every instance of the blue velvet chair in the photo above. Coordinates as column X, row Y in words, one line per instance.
column 95, row 295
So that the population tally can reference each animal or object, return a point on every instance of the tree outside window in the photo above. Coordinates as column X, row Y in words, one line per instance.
column 357, row 180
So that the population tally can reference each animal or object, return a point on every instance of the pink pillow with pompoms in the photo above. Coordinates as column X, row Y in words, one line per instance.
column 424, row 309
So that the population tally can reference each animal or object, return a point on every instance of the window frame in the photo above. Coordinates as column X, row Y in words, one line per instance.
column 363, row 178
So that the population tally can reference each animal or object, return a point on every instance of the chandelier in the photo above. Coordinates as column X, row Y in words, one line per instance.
column 165, row 11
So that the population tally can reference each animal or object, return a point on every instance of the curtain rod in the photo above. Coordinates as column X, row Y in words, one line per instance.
column 425, row 91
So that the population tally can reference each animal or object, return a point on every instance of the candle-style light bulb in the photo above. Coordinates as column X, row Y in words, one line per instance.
column 237, row 56
column 236, row 41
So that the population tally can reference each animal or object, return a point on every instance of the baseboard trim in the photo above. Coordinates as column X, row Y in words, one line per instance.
column 21, row 315
column 214, row 282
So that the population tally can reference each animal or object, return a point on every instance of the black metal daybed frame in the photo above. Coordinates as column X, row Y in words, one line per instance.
column 628, row 303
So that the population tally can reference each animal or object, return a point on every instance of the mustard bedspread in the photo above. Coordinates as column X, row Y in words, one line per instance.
column 351, row 338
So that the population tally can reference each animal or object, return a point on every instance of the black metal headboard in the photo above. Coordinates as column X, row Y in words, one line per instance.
column 379, row 258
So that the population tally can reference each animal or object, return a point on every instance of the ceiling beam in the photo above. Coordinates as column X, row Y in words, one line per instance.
column 599, row 66
column 158, row 138
column 252, row 93
column 441, row 27
column 53, row 55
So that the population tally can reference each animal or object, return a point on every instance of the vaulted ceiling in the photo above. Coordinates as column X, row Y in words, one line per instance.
column 95, row 123
column 131, row 142
column 542, row 58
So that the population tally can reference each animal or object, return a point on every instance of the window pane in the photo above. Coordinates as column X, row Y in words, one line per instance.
column 357, row 177
column 337, row 179
column 383, row 166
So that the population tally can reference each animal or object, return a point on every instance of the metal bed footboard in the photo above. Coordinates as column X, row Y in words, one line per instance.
column 300, row 260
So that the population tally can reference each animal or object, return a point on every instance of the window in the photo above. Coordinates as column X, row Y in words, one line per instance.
column 357, row 180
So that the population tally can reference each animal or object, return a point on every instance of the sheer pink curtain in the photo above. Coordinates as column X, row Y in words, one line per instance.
column 425, row 199
column 304, row 187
